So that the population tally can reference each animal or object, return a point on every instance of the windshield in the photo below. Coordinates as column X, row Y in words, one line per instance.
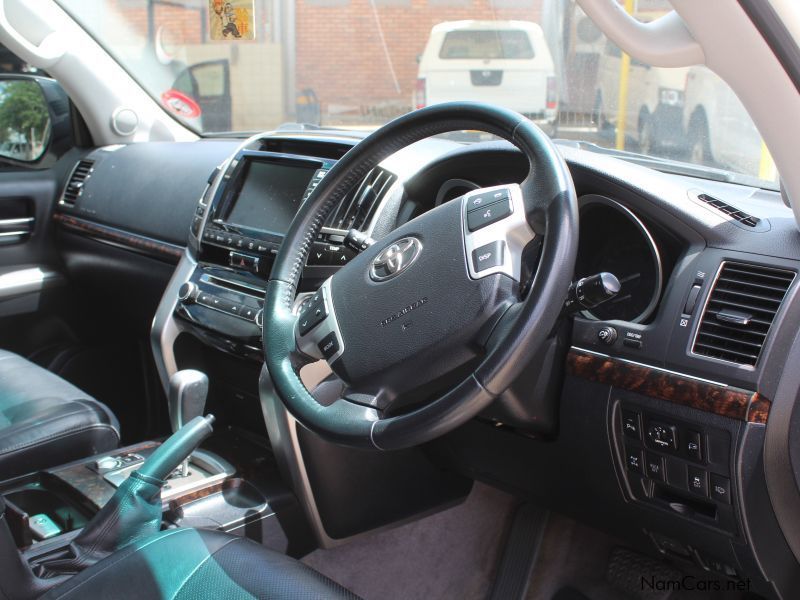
column 251, row 65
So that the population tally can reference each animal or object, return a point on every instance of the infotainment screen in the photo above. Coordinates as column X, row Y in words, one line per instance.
column 270, row 195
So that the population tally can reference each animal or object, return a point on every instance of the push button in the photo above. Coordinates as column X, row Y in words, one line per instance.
column 662, row 436
column 654, row 466
column 481, row 200
column 318, row 255
column 630, row 424
column 698, row 481
column 489, row 214
column 312, row 316
column 488, row 256
column 633, row 459
column 694, row 448
column 329, row 345
column 720, row 488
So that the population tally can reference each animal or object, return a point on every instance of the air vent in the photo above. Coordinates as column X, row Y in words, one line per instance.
column 739, row 312
column 733, row 212
column 74, row 186
column 359, row 206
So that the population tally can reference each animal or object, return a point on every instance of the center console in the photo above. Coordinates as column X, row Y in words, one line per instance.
column 239, row 226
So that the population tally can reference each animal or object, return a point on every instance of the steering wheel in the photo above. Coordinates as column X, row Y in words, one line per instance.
column 431, row 323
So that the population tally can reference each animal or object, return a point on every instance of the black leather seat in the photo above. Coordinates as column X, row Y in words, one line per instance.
column 197, row 563
column 45, row 421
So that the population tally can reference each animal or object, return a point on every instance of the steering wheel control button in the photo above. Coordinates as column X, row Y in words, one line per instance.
column 662, row 436
column 633, row 459
column 698, row 481
column 329, row 345
column 654, row 466
column 479, row 201
column 312, row 316
column 607, row 335
column 720, row 488
column 488, row 256
column 630, row 424
column 485, row 216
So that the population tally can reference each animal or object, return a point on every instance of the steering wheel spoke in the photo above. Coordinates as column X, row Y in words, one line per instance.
column 496, row 231
column 317, row 331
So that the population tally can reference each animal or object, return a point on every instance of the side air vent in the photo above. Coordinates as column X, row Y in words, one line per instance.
column 733, row 212
column 359, row 206
column 739, row 312
column 74, row 186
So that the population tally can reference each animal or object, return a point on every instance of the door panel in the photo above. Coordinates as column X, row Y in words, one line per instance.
column 30, row 269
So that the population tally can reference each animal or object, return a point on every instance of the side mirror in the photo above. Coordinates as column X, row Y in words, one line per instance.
column 34, row 120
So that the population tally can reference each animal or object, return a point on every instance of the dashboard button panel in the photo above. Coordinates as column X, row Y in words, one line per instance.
column 671, row 465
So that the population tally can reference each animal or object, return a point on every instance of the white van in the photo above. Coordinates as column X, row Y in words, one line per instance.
column 501, row 62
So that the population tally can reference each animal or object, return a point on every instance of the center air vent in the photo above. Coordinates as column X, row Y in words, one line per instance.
column 359, row 206
column 739, row 312
column 74, row 186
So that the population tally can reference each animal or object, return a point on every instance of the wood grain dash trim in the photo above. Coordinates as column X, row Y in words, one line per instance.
column 132, row 241
column 731, row 402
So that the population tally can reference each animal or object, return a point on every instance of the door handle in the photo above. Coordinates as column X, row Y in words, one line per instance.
column 13, row 231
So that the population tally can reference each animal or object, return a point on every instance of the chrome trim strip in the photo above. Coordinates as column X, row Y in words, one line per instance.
column 213, row 279
column 27, row 280
column 19, row 221
column 647, row 366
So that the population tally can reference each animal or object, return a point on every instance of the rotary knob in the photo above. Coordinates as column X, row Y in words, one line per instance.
column 607, row 335
column 188, row 292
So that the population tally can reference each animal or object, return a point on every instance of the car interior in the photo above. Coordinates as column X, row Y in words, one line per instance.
column 397, row 359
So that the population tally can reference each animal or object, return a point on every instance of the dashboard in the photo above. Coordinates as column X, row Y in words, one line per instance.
column 660, row 396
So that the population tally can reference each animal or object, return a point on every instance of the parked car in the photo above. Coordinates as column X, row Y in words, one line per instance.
column 719, row 132
column 503, row 62
column 655, row 100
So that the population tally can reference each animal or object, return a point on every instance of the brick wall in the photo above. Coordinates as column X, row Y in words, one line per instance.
column 341, row 57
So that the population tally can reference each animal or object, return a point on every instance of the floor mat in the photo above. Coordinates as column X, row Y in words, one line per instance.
column 451, row 554
column 573, row 564
column 575, row 556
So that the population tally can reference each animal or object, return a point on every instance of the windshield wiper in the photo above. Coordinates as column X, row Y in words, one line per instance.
column 668, row 165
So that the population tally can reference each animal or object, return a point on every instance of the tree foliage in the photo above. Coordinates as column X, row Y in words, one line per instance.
column 23, row 110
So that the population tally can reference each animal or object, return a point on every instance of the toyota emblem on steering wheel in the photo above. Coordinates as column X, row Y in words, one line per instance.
column 395, row 259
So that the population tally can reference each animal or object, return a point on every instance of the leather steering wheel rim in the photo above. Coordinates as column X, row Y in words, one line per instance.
column 551, row 209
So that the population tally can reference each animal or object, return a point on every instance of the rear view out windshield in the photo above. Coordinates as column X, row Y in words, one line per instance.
column 509, row 43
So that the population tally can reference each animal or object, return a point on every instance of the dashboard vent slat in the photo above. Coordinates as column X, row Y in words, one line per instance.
column 77, row 179
column 740, row 311
column 733, row 212
column 360, row 204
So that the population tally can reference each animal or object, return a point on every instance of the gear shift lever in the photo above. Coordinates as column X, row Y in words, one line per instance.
column 188, row 390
